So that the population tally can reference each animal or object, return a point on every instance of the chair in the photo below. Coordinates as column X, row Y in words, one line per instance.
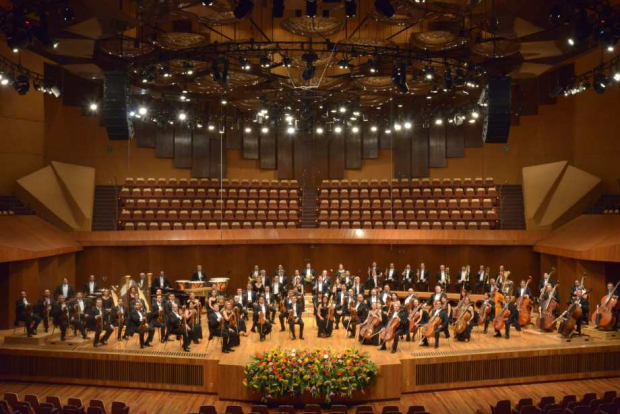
column 502, row 407
column 389, row 408
column 567, row 400
column 364, row 409
column 609, row 396
column 260, row 409
column 289, row 409
column 118, row 407
column 234, row 409
column 313, row 408
column 76, row 402
column 588, row 397
column 33, row 400
column 11, row 398
column 544, row 401
column 95, row 410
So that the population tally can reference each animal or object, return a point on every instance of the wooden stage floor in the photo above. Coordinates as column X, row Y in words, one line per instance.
column 526, row 357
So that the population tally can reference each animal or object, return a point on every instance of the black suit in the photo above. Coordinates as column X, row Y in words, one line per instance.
column 115, row 320
column 393, row 282
column 281, row 289
column 528, row 292
column 362, row 314
column 371, row 283
column 60, row 315
column 541, row 284
column 79, row 322
column 513, row 319
column 87, row 289
column 157, row 284
column 133, row 326
column 154, row 316
column 94, row 315
column 247, row 300
column 175, row 326
column 299, row 307
column 443, row 326
column 26, row 313
column 202, row 277
column 439, row 282
column 284, row 280
column 403, row 327
column 214, row 330
column 357, row 289
column 408, row 278
column 423, row 280
column 263, row 329
column 484, row 283
column 42, row 310
column 59, row 291
column 431, row 299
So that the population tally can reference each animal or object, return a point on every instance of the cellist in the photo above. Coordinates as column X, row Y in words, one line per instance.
column 467, row 308
column 585, row 308
column 513, row 319
column 361, row 310
column 403, row 327
column 440, row 313
column 415, row 302
column 616, row 310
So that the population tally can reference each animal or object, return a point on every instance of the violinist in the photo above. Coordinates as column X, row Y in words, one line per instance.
column 372, row 317
column 106, row 300
column 79, row 315
column 270, row 300
column 437, row 296
column 192, row 316
column 157, row 317
column 407, row 277
column 99, row 322
column 316, row 301
column 374, row 276
column 217, row 327
column 487, row 309
column 261, row 315
column 177, row 325
column 44, row 308
column 65, row 289
column 230, row 322
column 340, row 299
column 242, row 316
column 238, row 298
column 324, row 323
column 423, row 314
column 137, row 320
column 357, row 287
column 249, row 297
column 578, row 299
column 357, row 310
column 24, row 312
column 410, row 296
column 391, row 276
column 295, row 312
column 523, row 290
column 513, row 319
column 422, row 278
column 118, row 319
column 439, row 313
column 277, row 288
column 468, row 318
column 285, row 304
column 402, row 327
column 60, row 315
column 482, row 280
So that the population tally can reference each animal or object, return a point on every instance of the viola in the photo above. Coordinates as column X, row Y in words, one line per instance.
column 143, row 326
column 604, row 317
column 387, row 334
column 232, row 321
column 546, row 320
column 500, row 321
column 525, row 307
column 160, row 316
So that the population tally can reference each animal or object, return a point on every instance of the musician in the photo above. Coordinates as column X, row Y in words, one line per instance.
column 278, row 289
column 482, row 280
column 243, row 316
column 466, row 308
column 340, row 272
column 262, row 307
column 358, row 287
column 160, row 282
column 258, row 286
column 118, row 319
column 137, row 320
column 324, row 324
column 578, row 298
column 60, row 315
column 217, row 327
column 548, row 289
column 347, row 279
column 513, row 319
column 199, row 275
column 298, row 282
column 410, row 296
column 491, row 304
column 440, row 313
column 99, row 321
column 575, row 287
column 193, row 318
column 270, row 300
column 374, row 298
column 403, row 326
column 443, row 278
column 91, row 287
column 322, row 284
column 407, row 281
column 385, row 294
column 356, row 313
column 500, row 278
column 523, row 290
column 309, row 274
column 212, row 300
column 295, row 312
column 316, row 300
column 24, row 312
column 280, row 275
column 340, row 297
column 254, row 273
column 423, row 314
column 142, row 282
column 79, row 315
column 437, row 296
column 462, row 279
column 391, row 276
column 365, row 314
column 374, row 276
column 177, row 325
column 422, row 278
column 65, row 289
column 168, row 305
column 446, row 305
column 44, row 308
column 284, row 309
column 107, row 300
column 157, row 317
column 249, row 296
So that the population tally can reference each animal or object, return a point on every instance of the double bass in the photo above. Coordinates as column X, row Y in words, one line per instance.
column 570, row 317
column 603, row 318
column 525, row 307
column 498, row 297
column 546, row 319
column 456, row 312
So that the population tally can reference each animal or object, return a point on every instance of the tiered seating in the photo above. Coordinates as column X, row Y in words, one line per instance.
column 53, row 405
column 7, row 212
column 609, row 403
column 314, row 409
column 409, row 204
column 173, row 204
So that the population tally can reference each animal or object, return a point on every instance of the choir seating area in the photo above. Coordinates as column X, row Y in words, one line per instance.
column 171, row 204
column 590, row 403
column 313, row 409
column 31, row 404
column 409, row 204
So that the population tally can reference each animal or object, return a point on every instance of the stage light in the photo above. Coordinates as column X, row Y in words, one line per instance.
column 67, row 14
column 248, row 130
column 343, row 109
column 355, row 130
column 309, row 71
column 350, row 8
column 397, row 127
column 374, row 66
column 373, row 128
column 4, row 81
column 319, row 130
column 188, row 68
column 571, row 41
column 245, row 64
column 182, row 116
column 265, row 62
column 475, row 114
column 408, row 125
column 617, row 76
column 207, row 2
column 132, row 113
column 264, row 130
column 224, row 101
column 388, row 131
column 211, row 127
column 311, row 8
column 15, row 50
column 183, row 97
column 429, row 73
column 472, row 121
column 338, row 130
column 288, row 118
column 286, row 62
column 438, row 121
column 165, row 71
column 93, row 107
column 243, row 9
column 55, row 44
column 384, row 7
column 290, row 130
column 599, row 83
column 22, row 84
column 54, row 91
column 344, row 63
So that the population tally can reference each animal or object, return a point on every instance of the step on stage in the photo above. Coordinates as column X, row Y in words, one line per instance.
column 526, row 357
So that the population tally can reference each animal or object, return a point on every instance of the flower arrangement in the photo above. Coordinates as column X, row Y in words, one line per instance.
column 320, row 372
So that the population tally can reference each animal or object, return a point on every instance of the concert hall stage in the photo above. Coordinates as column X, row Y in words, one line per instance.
column 524, row 358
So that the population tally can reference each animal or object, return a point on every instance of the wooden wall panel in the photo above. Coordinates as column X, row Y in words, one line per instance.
column 285, row 156
column 473, row 134
column 200, row 154
column 319, row 163
column 267, row 147
column 250, row 146
column 145, row 134
column 437, row 146
column 386, row 140
column 336, row 156
column 420, row 152
column 234, row 135
column 217, row 160
column 353, row 150
column 455, row 141
column 402, row 154
column 164, row 142
column 182, row 147
column 370, row 145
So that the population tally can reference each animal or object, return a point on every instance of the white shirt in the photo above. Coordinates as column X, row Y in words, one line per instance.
column 262, row 307
column 407, row 273
column 390, row 273
column 436, row 312
column 140, row 315
column 422, row 274
column 437, row 296
column 395, row 315
column 295, row 309
column 276, row 288
column 373, row 299
column 281, row 279
column 385, row 296
column 267, row 295
column 481, row 276
column 65, row 290
column 249, row 296
column 443, row 276
column 320, row 286
column 200, row 276
column 408, row 298
column 522, row 291
column 218, row 315
column 81, row 305
column 91, row 287
column 308, row 272
column 463, row 274
column 161, row 281
column 357, row 305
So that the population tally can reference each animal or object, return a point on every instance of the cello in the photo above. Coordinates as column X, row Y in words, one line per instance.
column 463, row 320
column 432, row 325
column 603, row 318
column 546, row 320
column 387, row 334
column 524, row 305
column 485, row 310
column 500, row 321
column 368, row 327
column 415, row 316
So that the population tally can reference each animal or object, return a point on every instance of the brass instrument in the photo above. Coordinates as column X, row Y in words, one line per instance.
column 468, row 271
column 507, row 285
column 308, row 278
column 487, row 274
column 447, row 275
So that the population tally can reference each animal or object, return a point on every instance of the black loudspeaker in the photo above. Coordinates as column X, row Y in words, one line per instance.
column 115, row 106
column 496, row 127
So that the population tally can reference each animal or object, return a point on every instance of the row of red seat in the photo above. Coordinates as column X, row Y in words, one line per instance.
column 213, row 225
column 53, row 405
column 411, row 183
column 412, row 225
column 211, row 193
column 209, row 182
column 589, row 404
column 207, row 215
column 443, row 215
column 451, row 204
column 312, row 409
column 406, row 193
column 197, row 204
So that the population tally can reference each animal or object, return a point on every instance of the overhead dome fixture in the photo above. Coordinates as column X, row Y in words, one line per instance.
column 385, row 8
column 243, row 9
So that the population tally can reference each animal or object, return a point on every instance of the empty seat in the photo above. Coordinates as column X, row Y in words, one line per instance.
column 367, row 225
column 472, row 225
column 448, row 225
column 189, row 226
column 436, row 225
column 401, row 225
column 153, row 225
column 291, row 225
column 323, row 225
column 334, row 225
column 175, row 226
column 212, row 226
column 378, row 225
column 425, row 225
column 460, row 225
column 235, row 225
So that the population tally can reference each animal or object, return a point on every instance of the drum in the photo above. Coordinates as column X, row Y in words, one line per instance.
column 195, row 284
column 183, row 284
column 220, row 283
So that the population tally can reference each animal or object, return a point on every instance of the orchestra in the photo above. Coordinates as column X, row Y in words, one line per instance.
column 373, row 312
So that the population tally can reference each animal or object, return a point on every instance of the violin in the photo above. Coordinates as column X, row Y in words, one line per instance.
column 99, row 321
column 368, row 327
column 500, row 321
column 387, row 334
column 603, row 318
column 121, row 317
column 525, row 307
column 283, row 306
column 160, row 316
column 143, row 326
column 261, row 318
column 64, row 314
column 546, row 319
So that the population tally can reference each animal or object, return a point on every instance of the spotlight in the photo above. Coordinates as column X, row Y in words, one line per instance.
column 373, row 128
column 290, row 130
column 93, row 107
column 429, row 73
column 311, row 7
column 132, row 113
column 207, row 2
column 319, row 130
column 265, row 62
column 264, row 130
column 211, row 127
column 388, row 131
column 67, row 14
column 600, row 83
column 22, row 84
column 408, row 125
column 338, row 130
column 243, row 9
column 571, row 41
column 343, row 109
column 344, row 63
column 248, row 130
column 350, row 8
column 374, row 66
column 472, row 121
column 384, row 7
column 4, row 81
column 286, row 61
column 165, row 71
column 15, row 50
column 617, row 75
column 397, row 127
column 224, row 101
column 355, row 130
column 182, row 116
column 245, row 64
column 55, row 44
column 475, row 114
column 199, row 125
column 438, row 121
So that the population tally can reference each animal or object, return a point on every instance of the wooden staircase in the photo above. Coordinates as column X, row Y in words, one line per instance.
column 105, row 211
column 309, row 208
column 512, row 214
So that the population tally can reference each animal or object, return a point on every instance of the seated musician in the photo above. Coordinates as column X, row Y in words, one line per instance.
column 254, row 273
column 385, row 294
column 548, row 290
column 238, row 297
column 261, row 318
column 91, row 287
column 423, row 315
column 442, row 278
column 410, row 296
column 270, row 301
column 160, row 282
column 461, row 280
column 407, row 278
column 401, row 314
column 324, row 323
column 217, row 327
column 137, row 323
column 60, row 316
column 277, row 288
column 365, row 314
column 193, row 318
column 422, row 278
column 580, row 300
column 98, row 322
column 44, row 308
column 177, row 325
column 374, row 298
column 467, row 308
column 488, row 300
column 482, row 280
column 107, row 300
column 199, row 275
column 340, row 297
column 118, row 319
column 391, row 276
column 79, row 315
column 157, row 317
column 232, row 321
column 440, row 313
column 249, row 296
column 258, row 287
column 243, row 316
column 615, row 311
column 134, row 296
column 513, row 319
column 65, row 289
column 285, row 304
column 374, row 277
column 437, row 296
column 280, row 276
column 25, row 312
column 347, row 279
column 357, row 286
column 295, row 313
column 322, row 284
column 523, row 290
